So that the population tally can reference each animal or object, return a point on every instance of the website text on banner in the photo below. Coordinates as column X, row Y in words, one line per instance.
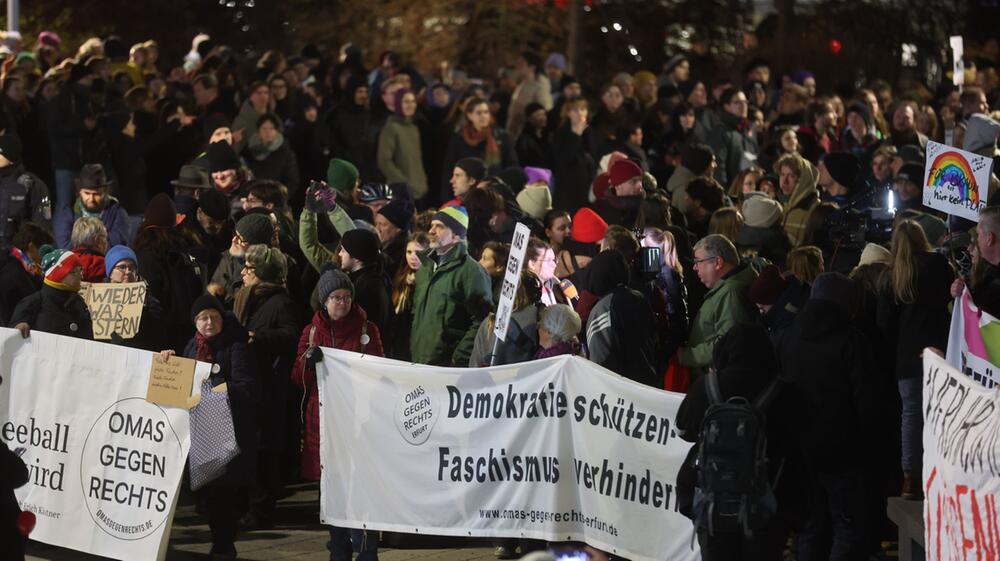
column 961, row 464
column 557, row 449
column 104, row 463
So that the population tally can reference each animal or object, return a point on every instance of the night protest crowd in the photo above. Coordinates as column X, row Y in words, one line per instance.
column 752, row 224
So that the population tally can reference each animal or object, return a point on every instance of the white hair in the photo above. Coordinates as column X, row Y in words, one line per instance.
column 561, row 321
column 87, row 232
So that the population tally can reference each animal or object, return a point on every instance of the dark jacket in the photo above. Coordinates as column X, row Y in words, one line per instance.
column 22, row 198
column 534, row 148
column 345, row 334
column 242, row 378
column 770, row 243
column 270, row 314
column 275, row 161
column 371, row 292
column 152, row 335
column 574, row 160
column 829, row 362
column 65, row 126
column 352, row 137
column 13, row 474
column 113, row 216
column 16, row 283
column 925, row 321
column 55, row 311
column 621, row 335
column 786, row 308
column 733, row 145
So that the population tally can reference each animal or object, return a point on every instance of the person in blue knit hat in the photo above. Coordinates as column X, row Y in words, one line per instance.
column 452, row 294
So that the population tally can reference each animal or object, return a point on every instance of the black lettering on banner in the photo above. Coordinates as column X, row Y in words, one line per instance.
column 963, row 422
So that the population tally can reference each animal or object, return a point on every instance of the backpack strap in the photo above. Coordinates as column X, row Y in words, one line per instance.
column 767, row 396
column 712, row 385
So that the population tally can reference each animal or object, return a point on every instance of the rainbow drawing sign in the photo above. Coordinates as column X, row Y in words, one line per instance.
column 956, row 181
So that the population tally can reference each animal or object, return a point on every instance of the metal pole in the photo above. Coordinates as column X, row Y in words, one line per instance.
column 13, row 15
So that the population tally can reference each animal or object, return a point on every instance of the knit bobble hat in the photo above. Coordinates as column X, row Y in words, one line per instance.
column 874, row 253
column 455, row 217
column 761, row 212
column 255, row 229
column 768, row 287
column 361, row 245
column 206, row 302
column 341, row 175
column 588, row 226
column 535, row 201
column 57, row 263
column 268, row 264
column 116, row 254
column 332, row 280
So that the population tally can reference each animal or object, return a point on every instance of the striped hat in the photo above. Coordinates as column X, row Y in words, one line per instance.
column 58, row 263
column 454, row 217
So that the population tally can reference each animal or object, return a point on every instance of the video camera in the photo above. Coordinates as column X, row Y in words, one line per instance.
column 867, row 218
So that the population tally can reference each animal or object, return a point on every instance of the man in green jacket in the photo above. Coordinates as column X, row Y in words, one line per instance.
column 726, row 304
column 452, row 294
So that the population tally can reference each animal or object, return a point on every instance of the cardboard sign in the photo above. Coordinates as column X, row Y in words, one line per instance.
column 170, row 382
column 956, row 181
column 511, row 278
column 114, row 308
column 958, row 67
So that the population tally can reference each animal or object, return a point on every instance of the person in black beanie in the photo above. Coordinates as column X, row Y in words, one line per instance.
column 393, row 225
column 252, row 229
column 229, row 175
column 466, row 173
column 361, row 259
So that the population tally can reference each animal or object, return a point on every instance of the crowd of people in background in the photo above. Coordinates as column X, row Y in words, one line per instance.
column 748, row 224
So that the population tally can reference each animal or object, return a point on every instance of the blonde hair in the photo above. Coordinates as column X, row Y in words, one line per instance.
column 726, row 221
column 668, row 246
column 908, row 239
column 805, row 262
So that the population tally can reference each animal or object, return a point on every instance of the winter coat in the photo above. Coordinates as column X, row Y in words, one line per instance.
column 800, row 203
column 16, row 283
column 51, row 310
column 349, row 126
column 274, row 161
column 458, row 149
column 229, row 276
column 925, row 322
column 786, row 308
column 400, row 157
column 533, row 90
column 270, row 314
column 770, row 243
column 152, row 335
column 247, row 122
column 113, row 216
column 13, row 474
column 726, row 304
column 242, row 378
column 534, row 150
column 574, row 160
column 371, row 292
column 520, row 344
column 621, row 335
column 829, row 363
column 677, row 187
column 65, row 126
column 344, row 334
column 316, row 253
column 175, row 280
column 93, row 264
column 450, row 299
column 734, row 147
column 22, row 199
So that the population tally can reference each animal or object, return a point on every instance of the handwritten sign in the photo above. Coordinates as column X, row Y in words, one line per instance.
column 511, row 278
column 956, row 181
column 115, row 308
column 170, row 382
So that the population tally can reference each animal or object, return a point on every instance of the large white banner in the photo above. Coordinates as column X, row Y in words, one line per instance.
column 558, row 449
column 961, row 465
column 105, row 464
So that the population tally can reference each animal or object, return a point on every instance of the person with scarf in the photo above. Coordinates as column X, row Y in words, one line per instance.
column 479, row 138
column 269, row 156
column 620, row 204
column 229, row 176
column 252, row 229
column 265, row 309
column 20, row 272
column 400, row 158
column 339, row 324
column 558, row 330
column 220, row 340
column 93, row 199
column 732, row 139
column 57, row 308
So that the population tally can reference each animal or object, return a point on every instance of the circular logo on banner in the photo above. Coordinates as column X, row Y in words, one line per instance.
column 415, row 415
column 130, row 458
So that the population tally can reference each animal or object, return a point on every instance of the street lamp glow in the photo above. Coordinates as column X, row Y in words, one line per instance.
column 617, row 26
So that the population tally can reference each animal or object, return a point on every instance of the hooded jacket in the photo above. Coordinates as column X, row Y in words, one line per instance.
column 450, row 299
column 726, row 304
column 345, row 334
column 803, row 199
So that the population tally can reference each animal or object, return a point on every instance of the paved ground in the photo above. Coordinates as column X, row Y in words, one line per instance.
column 298, row 537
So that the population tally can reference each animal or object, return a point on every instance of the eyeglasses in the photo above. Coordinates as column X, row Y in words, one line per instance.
column 698, row 261
column 341, row 299
column 125, row 268
column 249, row 268
column 239, row 239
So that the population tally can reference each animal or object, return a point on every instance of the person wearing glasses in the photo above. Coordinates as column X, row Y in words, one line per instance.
column 727, row 302
column 122, row 266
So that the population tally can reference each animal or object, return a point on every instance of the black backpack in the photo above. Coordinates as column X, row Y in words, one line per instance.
column 733, row 491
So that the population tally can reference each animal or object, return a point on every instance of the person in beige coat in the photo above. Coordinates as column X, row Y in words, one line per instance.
column 797, row 193
column 533, row 88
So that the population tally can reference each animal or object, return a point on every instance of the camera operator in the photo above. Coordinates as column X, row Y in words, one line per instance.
column 842, row 184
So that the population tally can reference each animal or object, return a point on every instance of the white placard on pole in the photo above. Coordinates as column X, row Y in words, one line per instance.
column 958, row 67
column 511, row 278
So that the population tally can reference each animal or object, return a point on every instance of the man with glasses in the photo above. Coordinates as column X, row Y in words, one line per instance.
column 250, row 230
column 727, row 302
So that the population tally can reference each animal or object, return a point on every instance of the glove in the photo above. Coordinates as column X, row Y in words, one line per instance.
column 320, row 197
column 313, row 356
